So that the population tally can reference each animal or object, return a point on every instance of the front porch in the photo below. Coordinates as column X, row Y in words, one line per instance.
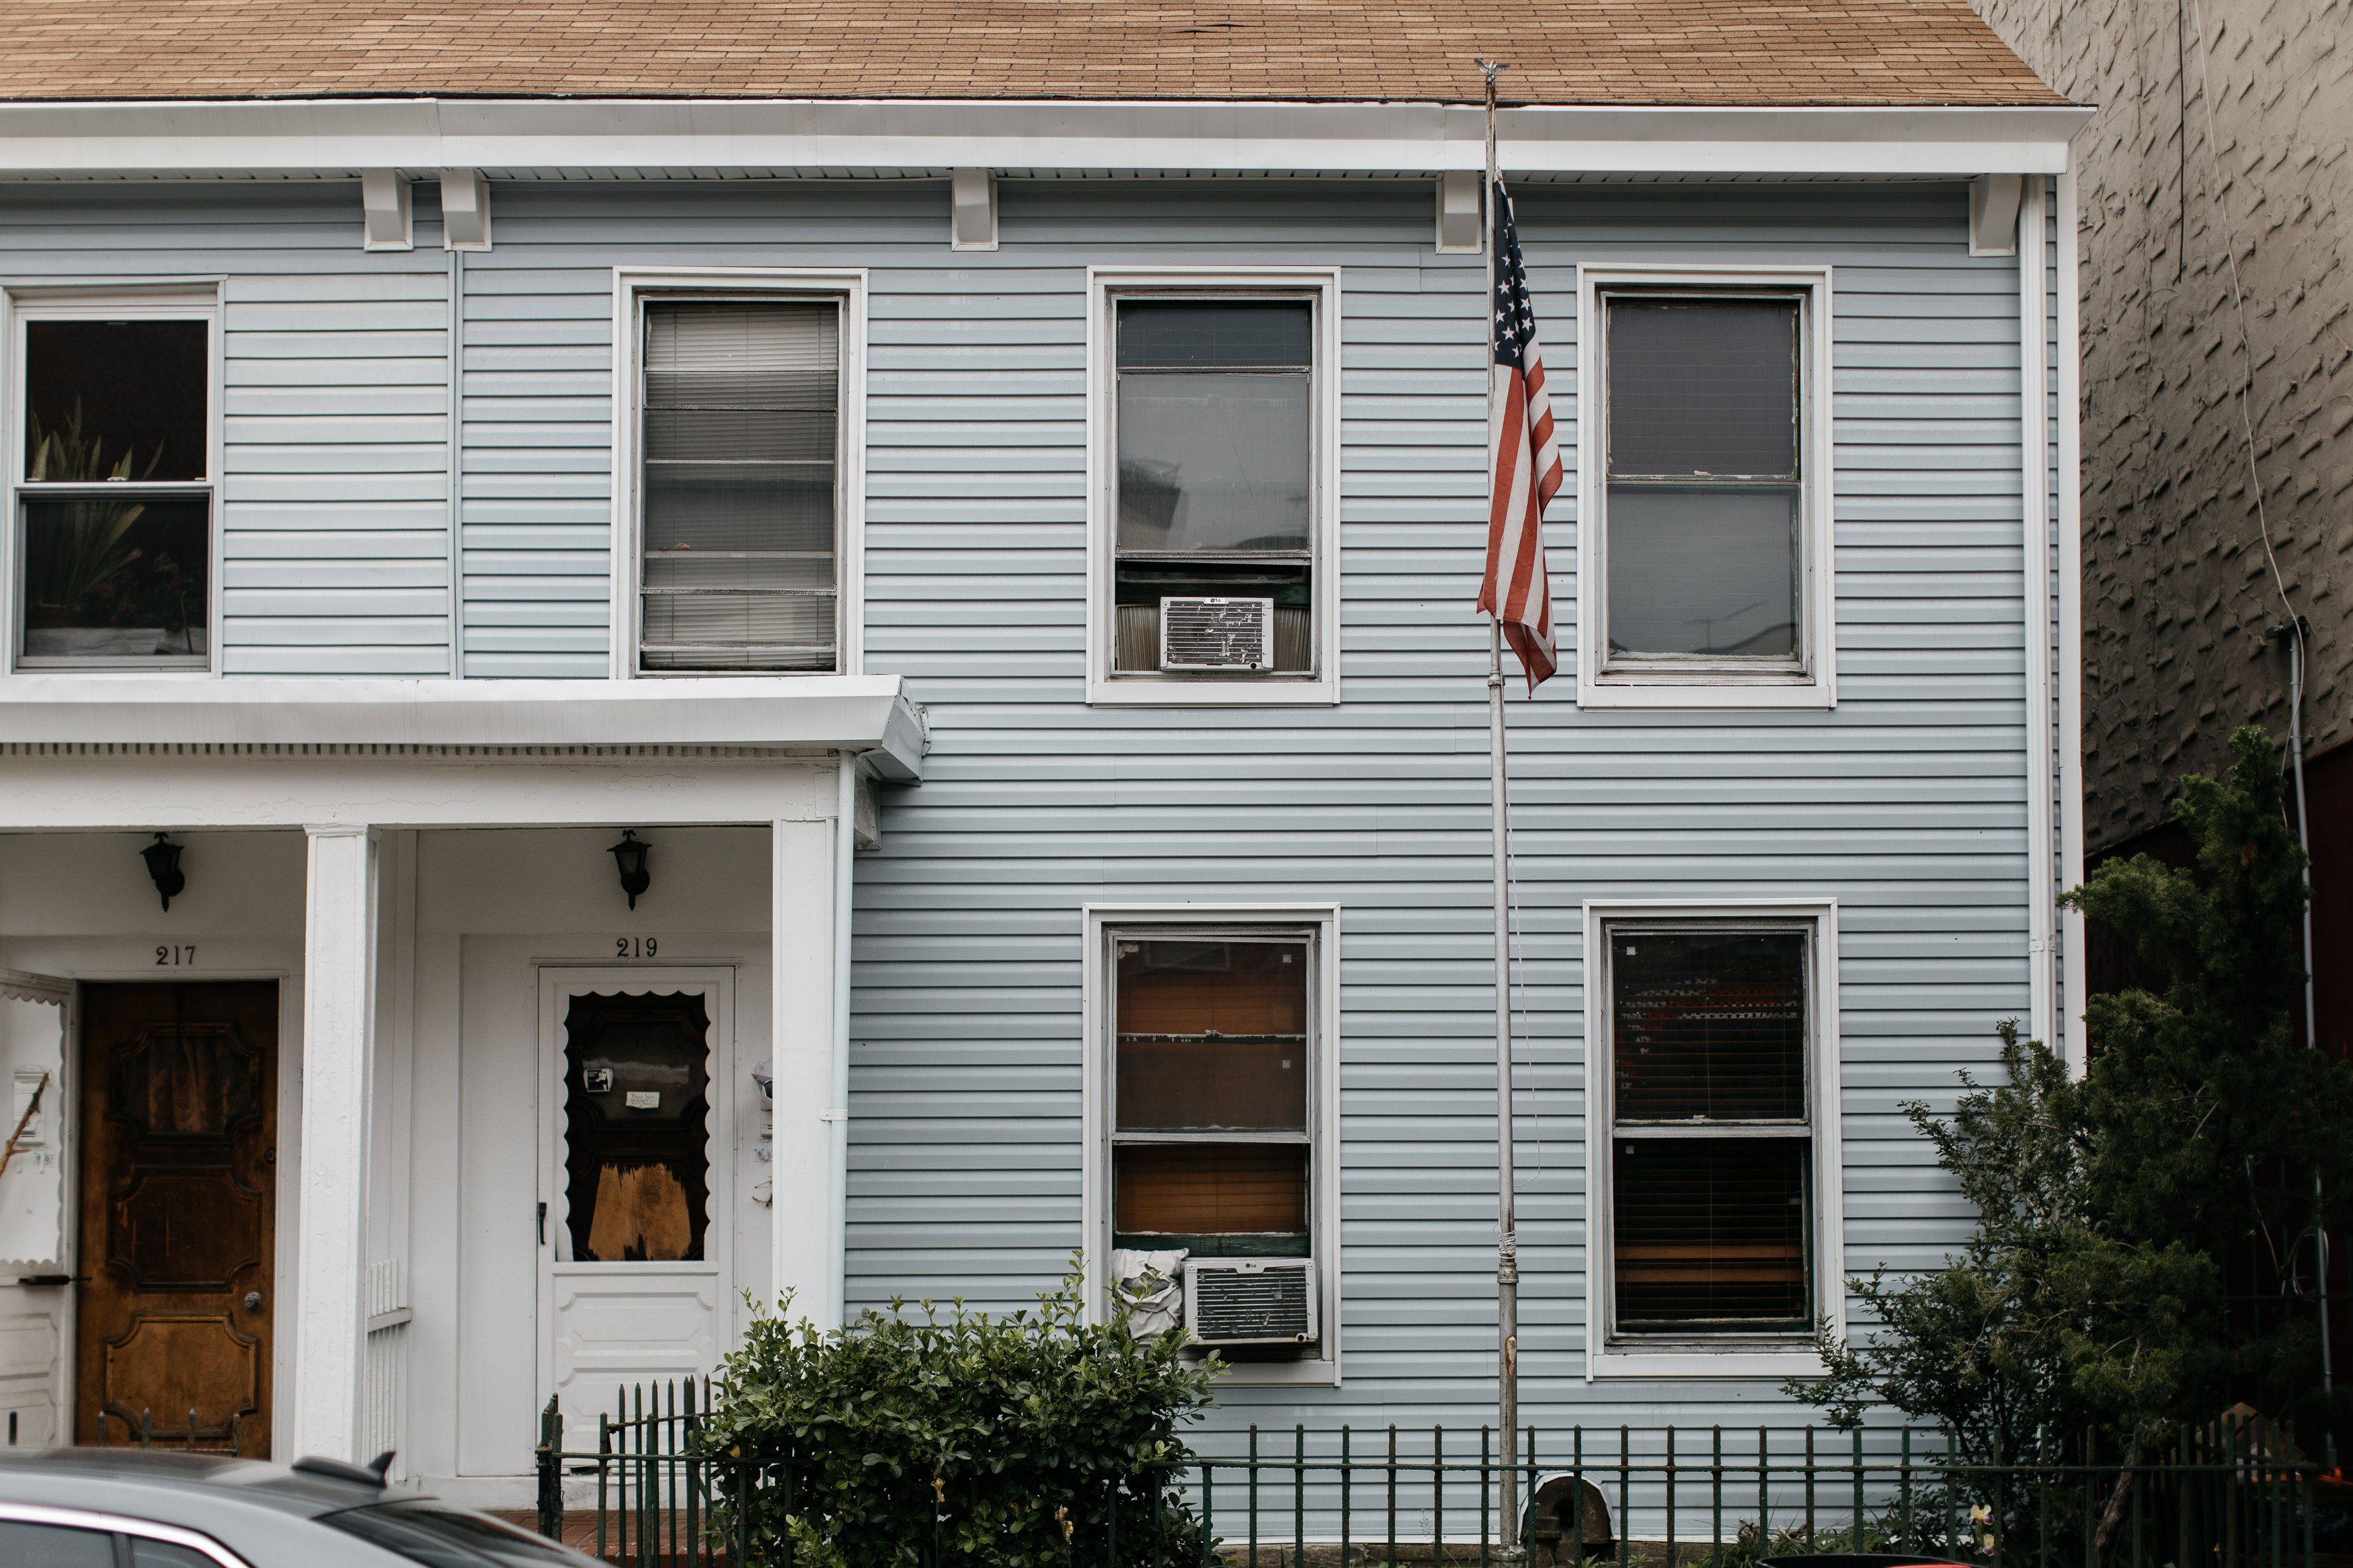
column 405, row 886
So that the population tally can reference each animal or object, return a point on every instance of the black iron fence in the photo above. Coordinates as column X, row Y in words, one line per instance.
column 2237, row 1494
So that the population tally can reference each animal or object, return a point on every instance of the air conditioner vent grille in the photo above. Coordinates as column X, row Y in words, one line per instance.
column 1251, row 1303
column 1222, row 633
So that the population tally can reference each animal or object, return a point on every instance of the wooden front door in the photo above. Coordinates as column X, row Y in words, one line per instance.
column 178, row 1214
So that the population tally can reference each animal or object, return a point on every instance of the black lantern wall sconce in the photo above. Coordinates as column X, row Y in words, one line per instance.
column 162, row 858
column 629, row 856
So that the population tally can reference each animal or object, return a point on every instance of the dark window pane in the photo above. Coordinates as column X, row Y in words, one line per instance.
column 1711, row 1233
column 1213, row 461
column 1703, row 388
column 1708, row 1023
column 146, row 1553
column 740, row 429
column 1189, row 334
column 1199, row 1192
column 445, row 1537
column 107, row 398
column 107, row 578
column 1212, row 1035
column 1702, row 572
column 53, row 1546
column 637, row 1087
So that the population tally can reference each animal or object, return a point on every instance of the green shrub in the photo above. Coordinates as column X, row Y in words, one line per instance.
column 1015, row 1442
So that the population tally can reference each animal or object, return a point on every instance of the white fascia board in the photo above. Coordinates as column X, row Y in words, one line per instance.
column 865, row 714
column 328, row 138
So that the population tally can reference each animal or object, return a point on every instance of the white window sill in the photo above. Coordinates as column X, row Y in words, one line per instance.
column 1213, row 693
column 1683, row 1362
column 1694, row 694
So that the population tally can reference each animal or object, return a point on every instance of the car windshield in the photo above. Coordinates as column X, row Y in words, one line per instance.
column 447, row 1537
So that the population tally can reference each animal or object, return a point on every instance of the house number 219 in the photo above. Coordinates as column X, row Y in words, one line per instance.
column 623, row 947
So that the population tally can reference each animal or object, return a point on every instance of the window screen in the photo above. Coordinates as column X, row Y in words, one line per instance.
column 1711, row 1233
column 1214, row 426
column 1710, row 1171
column 1210, row 1068
column 119, row 572
column 742, row 414
column 637, row 1105
column 1704, row 491
column 1709, row 1025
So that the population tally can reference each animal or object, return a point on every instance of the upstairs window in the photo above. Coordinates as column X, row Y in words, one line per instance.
column 1706, row 575
column 1214, row 432
column 740, row 485
column 114, row 491
column 1705, row 496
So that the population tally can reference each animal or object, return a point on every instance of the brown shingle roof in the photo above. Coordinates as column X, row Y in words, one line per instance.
column 1764, row 52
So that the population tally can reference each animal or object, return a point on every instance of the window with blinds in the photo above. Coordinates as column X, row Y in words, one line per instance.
column 1711, row 1186
column 739, row 485
column 1210, row 1130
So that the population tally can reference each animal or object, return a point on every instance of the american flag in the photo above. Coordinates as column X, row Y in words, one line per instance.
column 1525, row 464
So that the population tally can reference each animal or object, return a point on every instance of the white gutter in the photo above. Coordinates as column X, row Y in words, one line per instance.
column 2034, row 477
column 2073, row 976
column 513, row 138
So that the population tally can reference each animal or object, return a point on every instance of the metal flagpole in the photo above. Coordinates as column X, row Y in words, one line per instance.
column 1507, row 1245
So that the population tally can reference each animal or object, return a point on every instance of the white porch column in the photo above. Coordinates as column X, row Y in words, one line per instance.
column 331, row 1243
column 808, row 1118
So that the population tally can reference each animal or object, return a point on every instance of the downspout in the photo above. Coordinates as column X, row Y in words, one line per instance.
column 2034, row 477
column 2073, row 975
column 457, row 465
column 845, row 847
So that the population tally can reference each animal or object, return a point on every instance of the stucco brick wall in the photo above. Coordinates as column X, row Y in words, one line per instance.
column 2177, row 593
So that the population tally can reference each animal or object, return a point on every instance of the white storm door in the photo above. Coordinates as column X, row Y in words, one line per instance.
column 34, row 1224
column 638, row 1094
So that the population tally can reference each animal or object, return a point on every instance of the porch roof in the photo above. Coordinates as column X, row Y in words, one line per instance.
column 808, row 715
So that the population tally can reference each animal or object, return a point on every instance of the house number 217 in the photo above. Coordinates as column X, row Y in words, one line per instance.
column 632, row 947
column 175, row 957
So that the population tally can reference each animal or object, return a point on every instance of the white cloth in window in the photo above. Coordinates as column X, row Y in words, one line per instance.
column 1151, row 1287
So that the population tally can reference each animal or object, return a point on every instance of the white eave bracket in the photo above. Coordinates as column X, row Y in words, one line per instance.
column 465, row 210
column 1993, row 214
column 386, row 222
column 1460, row 231
column 972, row 210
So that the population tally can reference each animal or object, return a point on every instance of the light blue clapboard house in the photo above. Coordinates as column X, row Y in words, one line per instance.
column 706, row 654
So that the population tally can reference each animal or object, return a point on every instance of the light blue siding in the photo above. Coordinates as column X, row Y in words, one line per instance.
column 1907, row 803
column 333, row 516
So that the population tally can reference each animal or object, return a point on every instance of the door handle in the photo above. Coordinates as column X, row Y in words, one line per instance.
column 542, row 1225
column 252, row 1300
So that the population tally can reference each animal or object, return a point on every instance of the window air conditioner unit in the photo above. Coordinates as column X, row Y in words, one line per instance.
column 1217, row 634
column 1250, row 1300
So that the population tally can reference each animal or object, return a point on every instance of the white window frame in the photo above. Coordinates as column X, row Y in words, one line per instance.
column 1726, row 685
column 844, row 287
column 1717, row 1355
column 1105, row 287
column 166, row 302
column 1099, row 992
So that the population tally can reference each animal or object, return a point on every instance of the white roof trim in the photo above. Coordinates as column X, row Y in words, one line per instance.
column 862, row 713
column 333, row 137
